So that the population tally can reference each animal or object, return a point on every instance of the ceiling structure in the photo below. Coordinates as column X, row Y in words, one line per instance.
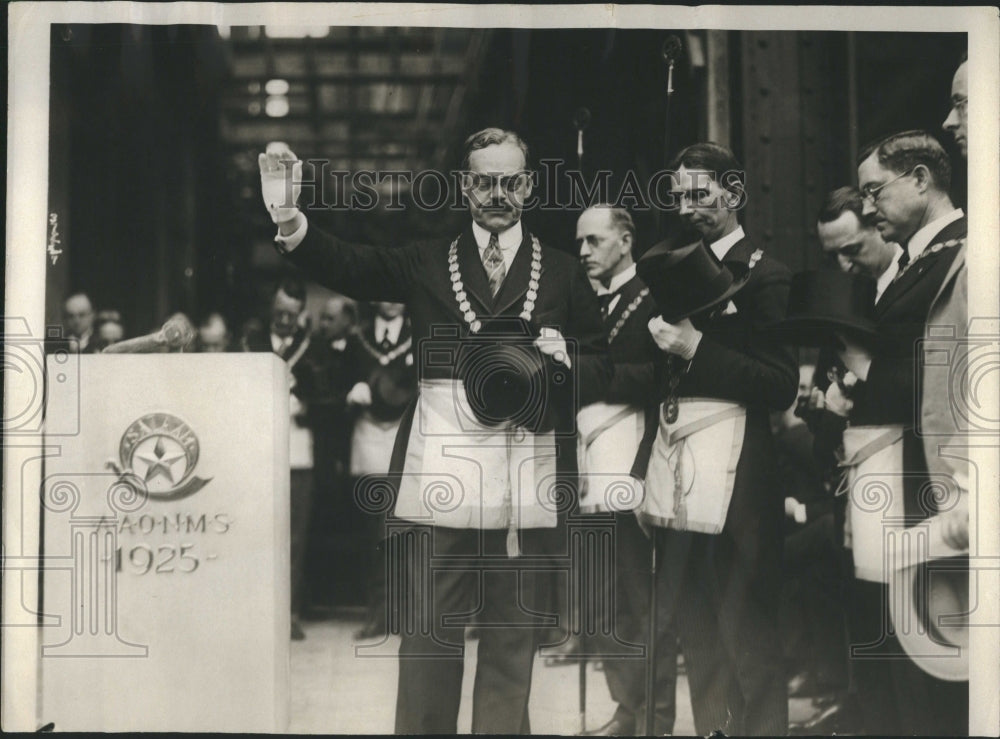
column 361, row 98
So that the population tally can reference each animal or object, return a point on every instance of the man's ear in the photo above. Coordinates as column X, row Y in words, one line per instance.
column 626, row 243
column 923, row 177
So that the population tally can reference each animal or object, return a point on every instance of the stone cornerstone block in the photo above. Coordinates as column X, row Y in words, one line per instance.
column 166, row 537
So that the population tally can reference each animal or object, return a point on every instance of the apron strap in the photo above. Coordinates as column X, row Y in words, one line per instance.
column 890, row 437
column 619, row 416
column 703, row 423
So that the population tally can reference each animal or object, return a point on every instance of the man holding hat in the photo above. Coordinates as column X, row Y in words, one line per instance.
column 710, row 484
column 904, row 180
column 495, row 315
column 609, row 436
column 383, row 359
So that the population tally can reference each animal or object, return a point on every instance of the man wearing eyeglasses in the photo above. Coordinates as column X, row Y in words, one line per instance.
column 904, row 181
column 957, row 122
column 856, row 244
column 476, row 493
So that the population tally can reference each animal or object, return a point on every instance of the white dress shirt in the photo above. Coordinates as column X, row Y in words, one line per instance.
column 393, row 327
column 279, row 344
column 885, row 279
column 615, row 285
column 922, row 238
column 509, row 240
column 721, row 247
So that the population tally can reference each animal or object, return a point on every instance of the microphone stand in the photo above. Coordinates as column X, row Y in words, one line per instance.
column 671, row 50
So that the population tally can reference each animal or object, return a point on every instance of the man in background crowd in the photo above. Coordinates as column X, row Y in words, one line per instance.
column 78, row 320
column 108, row 329
column 213, row 334
column 327, row 373
column 386, row 375
column 289, row 339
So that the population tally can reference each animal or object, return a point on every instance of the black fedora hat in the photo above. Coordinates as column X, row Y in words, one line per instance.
column 506, row 377
column 822, row 302
column 685, row 278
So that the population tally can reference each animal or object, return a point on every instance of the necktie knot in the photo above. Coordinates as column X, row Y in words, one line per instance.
column 385, row 343
column 496, row 270
column 904, row 259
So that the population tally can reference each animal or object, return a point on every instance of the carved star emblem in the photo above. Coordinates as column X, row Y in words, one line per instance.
column 160, row 462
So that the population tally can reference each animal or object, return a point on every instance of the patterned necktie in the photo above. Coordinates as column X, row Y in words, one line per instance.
column 496, row 270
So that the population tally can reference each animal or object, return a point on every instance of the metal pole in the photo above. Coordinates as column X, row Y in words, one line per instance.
column 583, row 693
column 651, row 642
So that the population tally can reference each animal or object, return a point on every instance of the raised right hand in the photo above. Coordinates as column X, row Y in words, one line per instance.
column 280, row 181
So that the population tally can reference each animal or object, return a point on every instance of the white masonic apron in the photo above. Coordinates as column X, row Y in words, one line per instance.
column 608, row 438
column 692, row 468
column 459, row 473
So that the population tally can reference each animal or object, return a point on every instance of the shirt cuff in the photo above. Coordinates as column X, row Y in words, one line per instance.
column 286, row 244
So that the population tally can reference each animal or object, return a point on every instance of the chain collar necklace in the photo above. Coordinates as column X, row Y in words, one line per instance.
column 386, row 358
column 629, row 310
column 458, row 286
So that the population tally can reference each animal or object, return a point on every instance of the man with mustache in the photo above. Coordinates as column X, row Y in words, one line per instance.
column 724, row 588
column 475, row 486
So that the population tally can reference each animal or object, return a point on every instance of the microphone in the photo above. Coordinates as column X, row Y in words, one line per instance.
column 671, row 51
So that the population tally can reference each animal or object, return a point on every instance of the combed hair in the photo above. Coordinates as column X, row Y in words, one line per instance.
column 840, row 201
column 492, row 137
column 903, row 151
column 718, row 160
column 293, row 287
column 708, row 156
column 620, row 219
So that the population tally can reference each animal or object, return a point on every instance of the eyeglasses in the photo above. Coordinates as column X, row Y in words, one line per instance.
column 872, row 193
column 484, row 183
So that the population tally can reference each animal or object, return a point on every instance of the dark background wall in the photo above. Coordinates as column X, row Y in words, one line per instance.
column 153, row 218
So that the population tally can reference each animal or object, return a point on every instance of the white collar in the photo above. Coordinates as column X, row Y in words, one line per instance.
column 509, row 239
column 617, row 281
column 887, row 276
column 393, row 327
column 278, row 344
column 721, row 247
column 922, row 238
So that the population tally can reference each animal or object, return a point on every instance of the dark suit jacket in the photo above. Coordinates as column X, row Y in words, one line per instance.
column 736, row 361
column 634, row 355
column 393, row 385
column 258, row 339
column 418, row 275
column 891, row 394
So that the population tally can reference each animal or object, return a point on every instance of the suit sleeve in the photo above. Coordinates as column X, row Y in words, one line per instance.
column 890, row 388
column 765, row 372
column 594, row 369
column 360, row 272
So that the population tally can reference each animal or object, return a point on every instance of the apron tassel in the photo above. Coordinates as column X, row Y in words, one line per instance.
column 513, row 548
